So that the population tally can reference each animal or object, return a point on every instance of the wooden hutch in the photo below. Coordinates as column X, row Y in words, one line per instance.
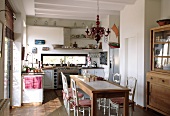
column 158, row 79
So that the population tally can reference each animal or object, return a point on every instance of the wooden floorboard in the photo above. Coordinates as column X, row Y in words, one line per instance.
column 53, row 106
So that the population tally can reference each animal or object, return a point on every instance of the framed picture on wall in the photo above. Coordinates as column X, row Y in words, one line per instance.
column 39, row 42
column 103, row 58
column 34, row 50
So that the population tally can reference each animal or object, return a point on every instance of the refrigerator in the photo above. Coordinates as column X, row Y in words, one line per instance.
column 114, row 62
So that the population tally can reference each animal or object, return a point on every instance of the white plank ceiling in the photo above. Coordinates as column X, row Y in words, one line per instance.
column 74, row 9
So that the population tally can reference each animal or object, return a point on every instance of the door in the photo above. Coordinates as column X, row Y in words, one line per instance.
column 7, row 67
column 48, row 79
column 131, row 58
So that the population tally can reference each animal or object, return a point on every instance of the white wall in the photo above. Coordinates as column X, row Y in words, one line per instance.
column 2, row 19
column 51, row 35
column 165, row 14
column 19, row 33
column 135, row 22
column 132, row 26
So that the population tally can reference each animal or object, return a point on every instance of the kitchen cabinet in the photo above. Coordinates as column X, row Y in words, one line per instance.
column 49, row 79
column 158, row 79
column 94, row 71
column 158, row 87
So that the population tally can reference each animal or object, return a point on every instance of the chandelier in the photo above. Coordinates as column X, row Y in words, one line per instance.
column 97, row 32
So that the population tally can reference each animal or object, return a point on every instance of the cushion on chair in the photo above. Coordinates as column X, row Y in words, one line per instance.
column 120, row 100
column 80, row 95
column 85, row 102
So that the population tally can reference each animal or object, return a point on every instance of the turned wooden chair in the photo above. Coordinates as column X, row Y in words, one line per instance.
column 117, row 103
column 103, row 102
column 79, row 105
column 117, row 78
column 67, row 94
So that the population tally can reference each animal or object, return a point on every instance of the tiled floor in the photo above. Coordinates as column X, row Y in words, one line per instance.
column 53, row 106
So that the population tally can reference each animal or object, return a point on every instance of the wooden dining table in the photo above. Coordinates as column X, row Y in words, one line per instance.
column 102, row 89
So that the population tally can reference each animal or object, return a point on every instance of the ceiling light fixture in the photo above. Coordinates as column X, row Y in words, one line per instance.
column 97, row 32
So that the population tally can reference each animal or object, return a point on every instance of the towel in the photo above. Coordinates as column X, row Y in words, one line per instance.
column 28, row 80
column 37, row 82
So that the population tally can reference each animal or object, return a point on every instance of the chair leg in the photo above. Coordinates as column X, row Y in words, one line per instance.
column 99, row 103
column 104, row 104
column 89, row 111
column 68, row 108
column 83, row 111
column 109, row 108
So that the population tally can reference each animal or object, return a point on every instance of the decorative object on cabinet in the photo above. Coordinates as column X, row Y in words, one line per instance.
column 34, row 50
column 39, row 42
column 163, row 22
column 45, row 48
column 97, row 32
column 158, row 79
column 115, row 30
column 1, row 38
column 103, row 58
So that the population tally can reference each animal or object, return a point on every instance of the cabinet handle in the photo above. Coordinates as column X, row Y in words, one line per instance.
column 163, row 81
column 151, row 78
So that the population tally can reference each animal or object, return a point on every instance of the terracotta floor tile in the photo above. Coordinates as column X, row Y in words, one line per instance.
column 53, row 106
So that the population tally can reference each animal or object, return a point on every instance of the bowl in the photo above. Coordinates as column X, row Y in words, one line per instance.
column 163, row 22
column 57, row 46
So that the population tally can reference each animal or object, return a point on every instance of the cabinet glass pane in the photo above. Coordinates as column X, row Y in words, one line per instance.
column 166, row 63
column 162, row 63
column 162, row 49
column 158, row 62
column 162, row 36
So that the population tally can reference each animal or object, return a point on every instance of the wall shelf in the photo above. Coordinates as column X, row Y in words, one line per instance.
column 90, row 50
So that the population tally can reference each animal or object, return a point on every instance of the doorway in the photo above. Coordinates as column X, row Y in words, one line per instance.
column 131, row 59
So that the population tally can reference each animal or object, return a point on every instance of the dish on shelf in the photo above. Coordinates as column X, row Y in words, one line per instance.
column 77, row 36
column 72, row 36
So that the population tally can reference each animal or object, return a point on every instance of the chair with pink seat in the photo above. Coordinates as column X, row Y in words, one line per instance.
column 67, row 94
column 79, row 105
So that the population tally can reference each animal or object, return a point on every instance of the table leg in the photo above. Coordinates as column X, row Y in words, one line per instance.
column 126, row 104
column 94, row 105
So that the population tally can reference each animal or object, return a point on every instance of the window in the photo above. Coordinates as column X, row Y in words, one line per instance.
column 56, row 58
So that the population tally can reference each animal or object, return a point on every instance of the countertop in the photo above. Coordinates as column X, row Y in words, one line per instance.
column 52, row 68
column 31, row 73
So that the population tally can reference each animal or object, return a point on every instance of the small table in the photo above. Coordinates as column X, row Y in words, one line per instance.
column 102, row 89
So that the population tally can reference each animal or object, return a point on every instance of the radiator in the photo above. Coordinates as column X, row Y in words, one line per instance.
column 4, row 107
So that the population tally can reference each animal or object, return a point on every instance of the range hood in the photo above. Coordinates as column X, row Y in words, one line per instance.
column 114, row 45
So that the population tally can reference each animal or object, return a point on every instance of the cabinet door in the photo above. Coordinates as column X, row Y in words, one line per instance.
column 160, row 49
column 99, row 72
column 90, row 71
column 159, row 97
column 48, row 79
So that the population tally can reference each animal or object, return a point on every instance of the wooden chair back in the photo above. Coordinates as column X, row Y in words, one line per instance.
column 117, row 78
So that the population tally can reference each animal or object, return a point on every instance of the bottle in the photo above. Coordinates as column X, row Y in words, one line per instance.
column 74, row 45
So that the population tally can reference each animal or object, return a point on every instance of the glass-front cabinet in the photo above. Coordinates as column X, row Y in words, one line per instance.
column 160, row 49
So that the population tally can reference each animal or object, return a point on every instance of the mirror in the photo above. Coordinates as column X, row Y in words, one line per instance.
column 1, row 36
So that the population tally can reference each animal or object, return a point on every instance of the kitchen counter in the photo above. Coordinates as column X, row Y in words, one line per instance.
column 32, row 73
column 92, row 68
column 52, row 68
